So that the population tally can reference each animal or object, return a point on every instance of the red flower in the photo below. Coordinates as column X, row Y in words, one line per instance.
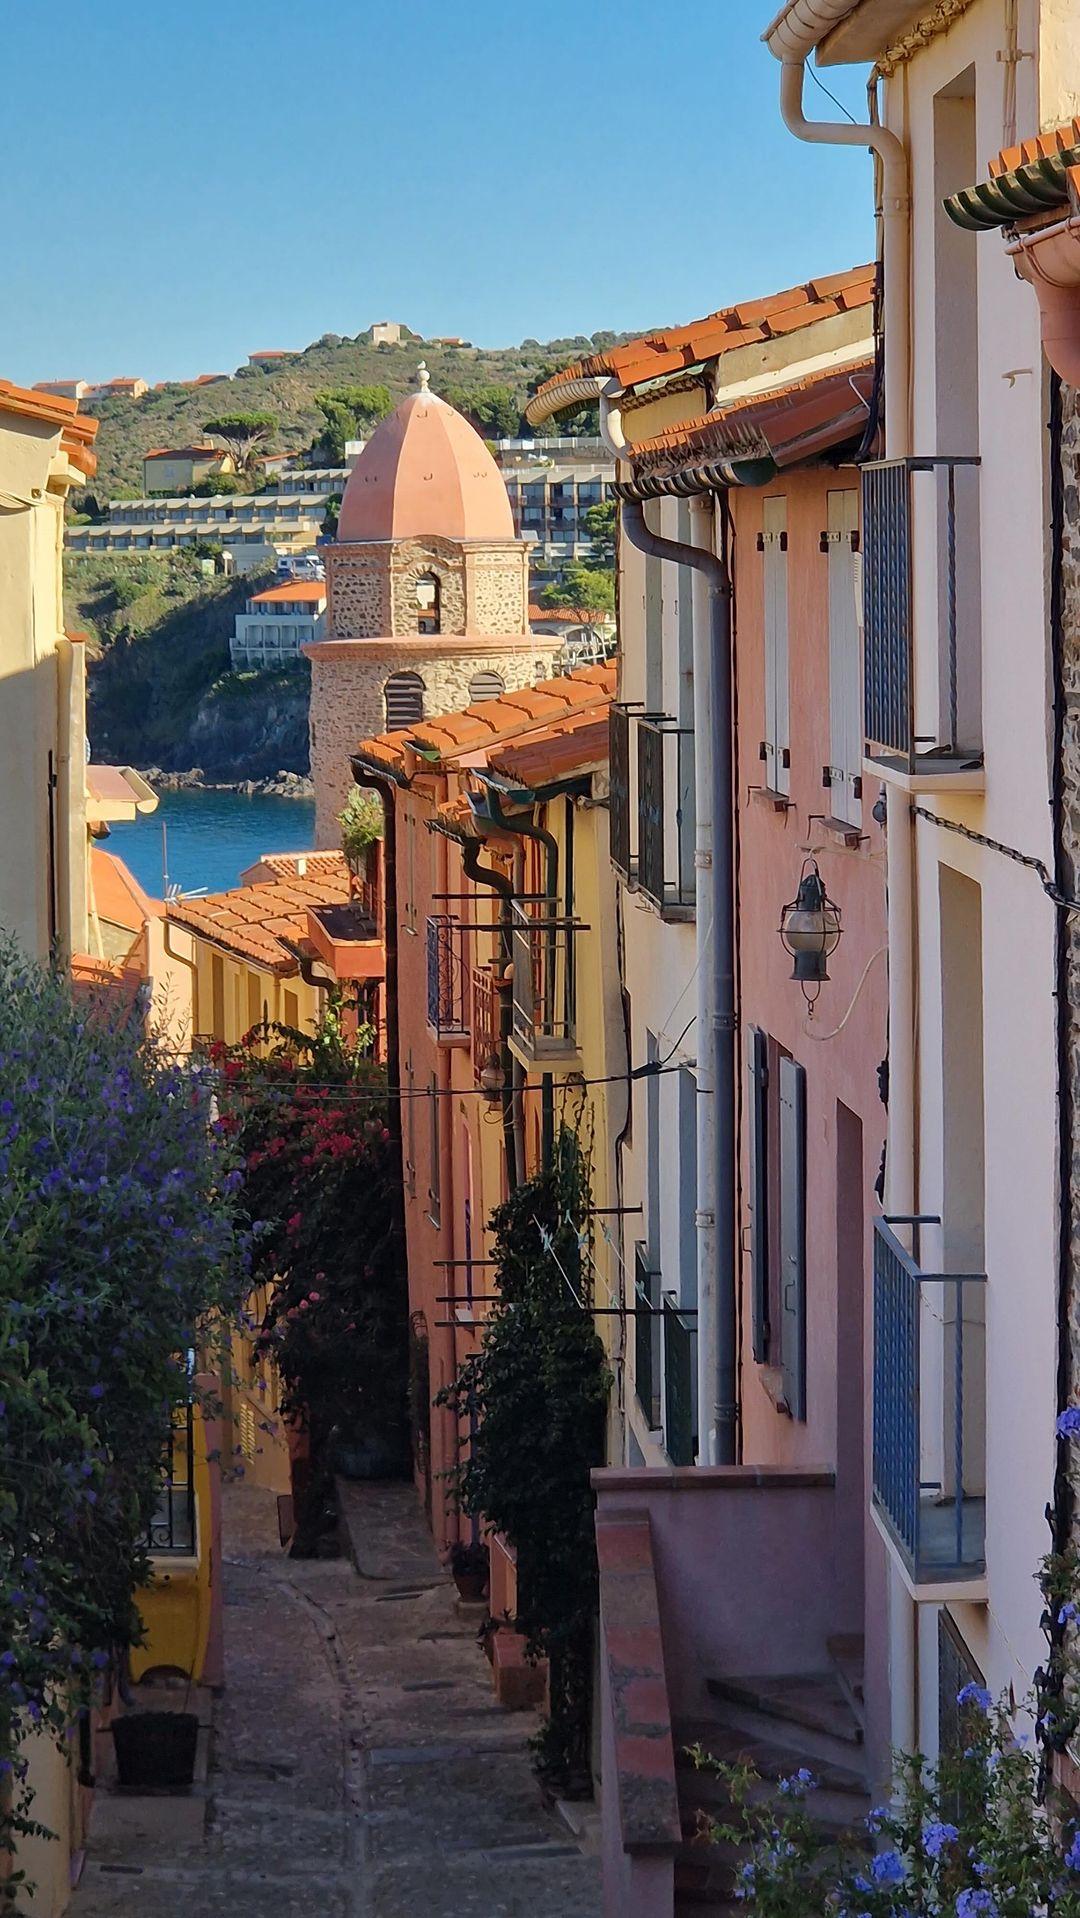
column 294, row 1224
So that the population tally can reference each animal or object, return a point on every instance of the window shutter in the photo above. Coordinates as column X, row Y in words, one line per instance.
column 845, row 702
column 793, row 1234
column 777, row 740
column 758, row 1065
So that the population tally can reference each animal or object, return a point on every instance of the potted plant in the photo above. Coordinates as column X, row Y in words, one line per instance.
column 362, row 823
column 155, row 1751
column 469, row 1568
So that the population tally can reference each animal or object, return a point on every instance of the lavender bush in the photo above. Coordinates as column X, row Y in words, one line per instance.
column 119, row 1256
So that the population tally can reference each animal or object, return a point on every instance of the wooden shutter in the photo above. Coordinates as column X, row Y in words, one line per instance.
column 845, row 700
column 758, row 1110
column 793, row 1234
column 774, row 547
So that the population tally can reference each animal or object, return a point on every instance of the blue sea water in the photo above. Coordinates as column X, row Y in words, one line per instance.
column 209, row 837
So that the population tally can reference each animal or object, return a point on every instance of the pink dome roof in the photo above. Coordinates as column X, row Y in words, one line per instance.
column 424, row 471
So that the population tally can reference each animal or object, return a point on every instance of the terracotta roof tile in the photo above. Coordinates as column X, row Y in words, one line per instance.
column 118, row 896
column 1058, row 140
column 263, row 922
column 311, row 591
column 553, row 752
column 748, row 323
column 493, row 722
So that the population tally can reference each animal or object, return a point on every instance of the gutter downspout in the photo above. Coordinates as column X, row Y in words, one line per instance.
column 900, row 1170
column 896, row 226
column 714, row 861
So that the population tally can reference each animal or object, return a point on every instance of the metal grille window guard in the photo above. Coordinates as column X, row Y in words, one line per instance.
column 619, row 789
column 447, row 976
column 666, row 822
column 542, row 944
column 894, row 513
column 929, row 1408
column 680, row 1368
column 172, row 1523
column 486, row 1035
column 647, row 1335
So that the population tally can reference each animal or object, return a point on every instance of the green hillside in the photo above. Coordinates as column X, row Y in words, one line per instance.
column 175, row 415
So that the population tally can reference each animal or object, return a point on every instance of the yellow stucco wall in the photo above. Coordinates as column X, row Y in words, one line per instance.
column 176, row 1606
column 231, row 996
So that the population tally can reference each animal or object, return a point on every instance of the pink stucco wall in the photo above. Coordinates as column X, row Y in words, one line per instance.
column 845, row 1116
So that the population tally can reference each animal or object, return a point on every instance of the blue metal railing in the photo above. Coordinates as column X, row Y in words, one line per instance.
column 646, row 1334
column 929, row 1403
column 666, row 822
column 680, row 1368
column 447, row 977
column 888, row 607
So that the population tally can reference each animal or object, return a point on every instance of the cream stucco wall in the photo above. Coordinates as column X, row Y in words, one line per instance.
column 959, row 78
column 43, row 871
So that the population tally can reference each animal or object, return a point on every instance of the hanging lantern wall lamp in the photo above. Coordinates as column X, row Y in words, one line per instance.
column 810, row 930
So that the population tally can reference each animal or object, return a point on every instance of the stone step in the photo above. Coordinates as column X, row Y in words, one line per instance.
column 773, row 1756
column 815, row 1715
column 848, row 1653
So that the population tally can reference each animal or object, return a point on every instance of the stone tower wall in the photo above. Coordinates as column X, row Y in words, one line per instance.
column 347, row 704
column 371, row 589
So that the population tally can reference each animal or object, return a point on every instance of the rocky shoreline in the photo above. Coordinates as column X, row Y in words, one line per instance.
column 282, row 785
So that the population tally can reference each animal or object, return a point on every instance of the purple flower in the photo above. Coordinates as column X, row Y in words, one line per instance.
column 977, row 1695
column 1072, row 1856
column 99, row 1660
column 975, row 1904
column 799, row 1783
column 936, row 1836
column 887, row 1868
column 1067, row 1613
column 97, row 1391
column 1068, row 1425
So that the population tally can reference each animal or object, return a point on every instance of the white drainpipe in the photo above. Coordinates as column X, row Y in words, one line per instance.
column 791, row 39
column 714, row 1215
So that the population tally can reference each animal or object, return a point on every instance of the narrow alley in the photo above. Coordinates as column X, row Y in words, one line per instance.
column 360, row 1766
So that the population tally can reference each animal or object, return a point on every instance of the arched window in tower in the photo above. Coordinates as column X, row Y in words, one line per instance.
column 404, row 697
column 485, row 686
column 428, row 597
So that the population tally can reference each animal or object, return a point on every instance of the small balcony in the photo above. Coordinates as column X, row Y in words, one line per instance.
column 929, row 1443
column 666, row 821
column 619, row 789
column 922, row 620
column 447, row 981
column 665, row 1361
column 487, row 1037
column 544, row 1027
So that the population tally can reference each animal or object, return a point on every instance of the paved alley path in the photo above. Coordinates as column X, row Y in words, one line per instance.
column 361, row 1767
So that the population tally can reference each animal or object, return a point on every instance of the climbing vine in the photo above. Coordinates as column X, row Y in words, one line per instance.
column 535, row 1397
column 119, row 1256
column 322, row 1196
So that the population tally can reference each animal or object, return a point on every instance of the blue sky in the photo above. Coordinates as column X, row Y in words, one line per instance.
column 186, row 183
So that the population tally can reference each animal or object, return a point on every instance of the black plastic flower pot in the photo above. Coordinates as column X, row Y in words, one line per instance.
column 155, row 1751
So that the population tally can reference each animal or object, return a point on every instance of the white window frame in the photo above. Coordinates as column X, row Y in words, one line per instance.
column 845, row 657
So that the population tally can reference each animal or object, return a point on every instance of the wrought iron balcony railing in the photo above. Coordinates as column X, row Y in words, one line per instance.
column 447, row 977
column 680, row 1370
column 544, row 995
column 486, row 1020
column 929, row 1446
column 619, row 789
column 921, row 563
column 647, row 1356
column 666, row 822
column 172, row 1524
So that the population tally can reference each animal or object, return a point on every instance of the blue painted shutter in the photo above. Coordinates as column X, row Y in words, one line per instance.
column 758, row 1110
column 793, row 1234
